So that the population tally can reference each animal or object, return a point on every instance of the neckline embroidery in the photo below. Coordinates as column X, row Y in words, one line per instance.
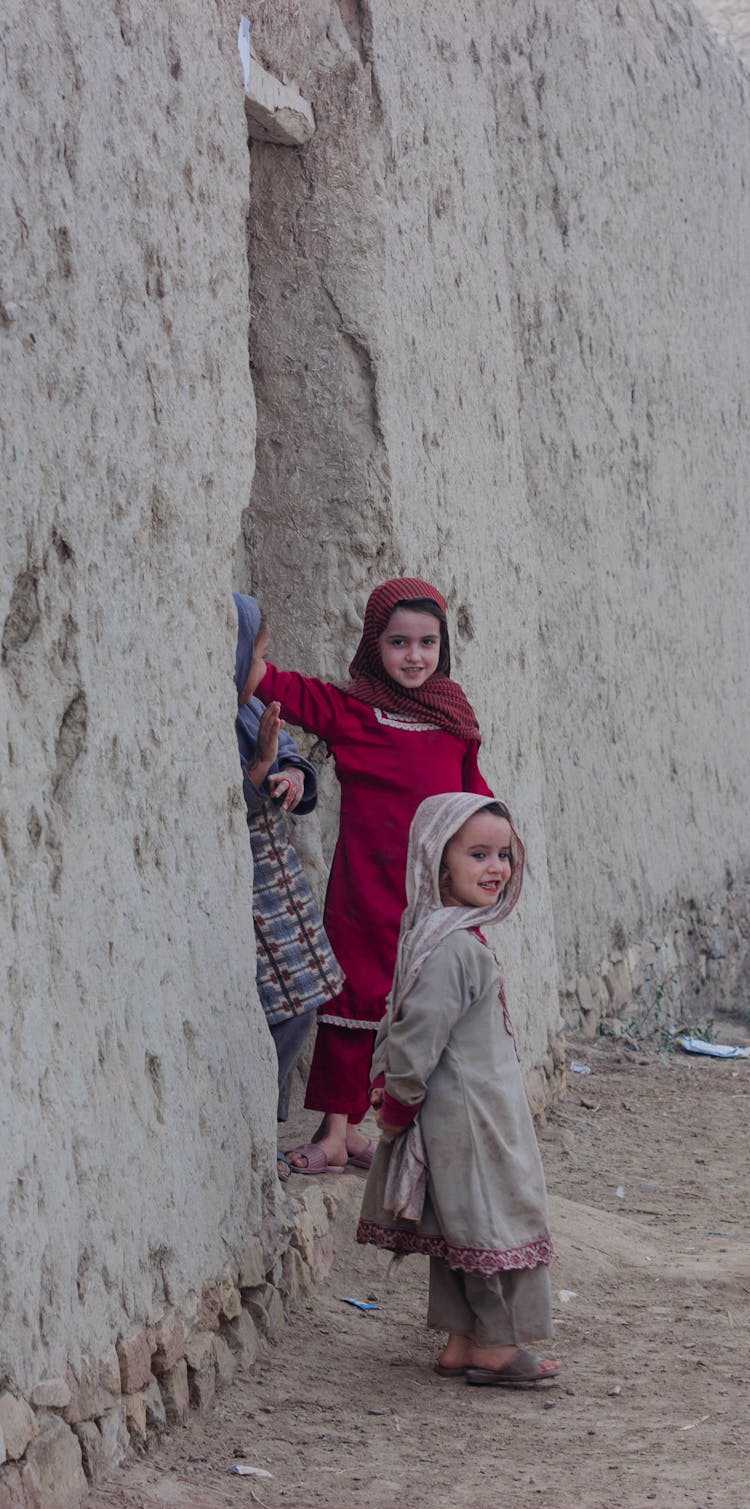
column 389, row 721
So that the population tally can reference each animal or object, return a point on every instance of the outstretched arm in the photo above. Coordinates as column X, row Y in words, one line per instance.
column 311, row 704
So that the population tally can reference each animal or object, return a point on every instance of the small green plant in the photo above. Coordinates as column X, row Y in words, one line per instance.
column 653, row 1019
column 704, row 1030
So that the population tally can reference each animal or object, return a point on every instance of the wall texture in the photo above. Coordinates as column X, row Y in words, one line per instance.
column 731, row 18
column 497, row 339
column 500, row 339
column 136, row 1104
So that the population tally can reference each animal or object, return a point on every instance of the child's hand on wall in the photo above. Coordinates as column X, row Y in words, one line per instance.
column 271, row 724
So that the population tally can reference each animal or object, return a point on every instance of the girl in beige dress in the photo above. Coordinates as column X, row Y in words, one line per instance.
column 457, row 1174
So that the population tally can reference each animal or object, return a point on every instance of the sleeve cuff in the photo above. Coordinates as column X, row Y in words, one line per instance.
column 255, row 796
column 396, row 1114
column 378, row 1083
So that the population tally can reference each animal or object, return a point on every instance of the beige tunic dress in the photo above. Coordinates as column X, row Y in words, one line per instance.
column 452, row 1052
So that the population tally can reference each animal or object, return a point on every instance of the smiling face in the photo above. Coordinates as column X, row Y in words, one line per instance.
column 477, row 864
column 258, row 667
column 410, row 647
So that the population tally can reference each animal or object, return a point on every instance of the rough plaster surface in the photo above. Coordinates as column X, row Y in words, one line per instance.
column 136, row 1081
column 631, row 333
column 731, row 18
column 499, row 339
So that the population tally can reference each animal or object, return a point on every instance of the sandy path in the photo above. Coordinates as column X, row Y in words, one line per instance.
column 655, row 1396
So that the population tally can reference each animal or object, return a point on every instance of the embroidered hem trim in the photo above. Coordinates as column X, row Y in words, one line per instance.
column 469, row 1259
column 414, row 728
column 346, row 1021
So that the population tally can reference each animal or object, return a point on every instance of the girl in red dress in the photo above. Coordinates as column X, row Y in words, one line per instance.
column 401, row 730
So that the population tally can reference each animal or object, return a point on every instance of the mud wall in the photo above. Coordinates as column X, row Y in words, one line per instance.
column 136, row 1102
column 731, row 20
column 497, row 340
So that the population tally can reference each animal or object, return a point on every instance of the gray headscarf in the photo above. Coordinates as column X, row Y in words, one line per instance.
column 249, row 619
column 247, row 721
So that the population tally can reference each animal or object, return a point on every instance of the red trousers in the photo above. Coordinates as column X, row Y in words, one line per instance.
column 340, row 1071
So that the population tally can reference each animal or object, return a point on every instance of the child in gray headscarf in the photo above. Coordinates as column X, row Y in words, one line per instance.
column 296, row 968
column 458, row 1174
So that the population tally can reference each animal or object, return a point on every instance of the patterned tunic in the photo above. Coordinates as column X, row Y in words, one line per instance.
column 296, row 969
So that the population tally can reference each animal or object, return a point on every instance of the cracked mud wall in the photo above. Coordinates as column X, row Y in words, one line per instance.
column 633, row 364
column 485, row 348
column 136, row 1080
column 498, row 340
column 731, row 21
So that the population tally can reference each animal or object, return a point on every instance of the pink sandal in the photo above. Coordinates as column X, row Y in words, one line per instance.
column 363, row 1159
column 317, row 1160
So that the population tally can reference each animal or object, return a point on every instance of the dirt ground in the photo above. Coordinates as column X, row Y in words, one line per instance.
column 647, row 1160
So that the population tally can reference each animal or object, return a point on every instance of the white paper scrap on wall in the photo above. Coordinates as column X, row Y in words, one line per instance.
column 243, row 42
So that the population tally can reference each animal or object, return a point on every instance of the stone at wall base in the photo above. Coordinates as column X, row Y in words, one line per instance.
column 145, row 1415
column 241, row 1336
column 12, row 1495
column 170, row 1338
column 134, row 1358
column 54, row 1460
column 104, row 1443
column 618, row 983
column 266, row 1310
column 156, row 1414
column 176, row 1393
column 208, row 1317
column 251, row 1270
column 94, row 1389
column 296, row 1276
column 200, row 1355
column 17, row 1426
column 135, row 1419
column 591, row 1021
column 226, row 1365
column 693, row 966
column 51, row 1393
column 52, row 1474
column 231, row 1300
column 114, row 1434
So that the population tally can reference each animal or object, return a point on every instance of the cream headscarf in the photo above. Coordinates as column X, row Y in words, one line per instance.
column 424, row 924
column 426, row 921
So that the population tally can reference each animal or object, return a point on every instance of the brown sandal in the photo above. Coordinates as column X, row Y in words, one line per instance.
column 444, row 1372
column 523, row 1371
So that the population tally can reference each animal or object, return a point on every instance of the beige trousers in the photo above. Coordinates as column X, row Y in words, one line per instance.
column 499, row 1310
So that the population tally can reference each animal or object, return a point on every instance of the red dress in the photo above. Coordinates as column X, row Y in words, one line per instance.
column 385, row 766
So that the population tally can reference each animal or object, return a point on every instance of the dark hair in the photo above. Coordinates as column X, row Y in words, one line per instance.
column 428, row 605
